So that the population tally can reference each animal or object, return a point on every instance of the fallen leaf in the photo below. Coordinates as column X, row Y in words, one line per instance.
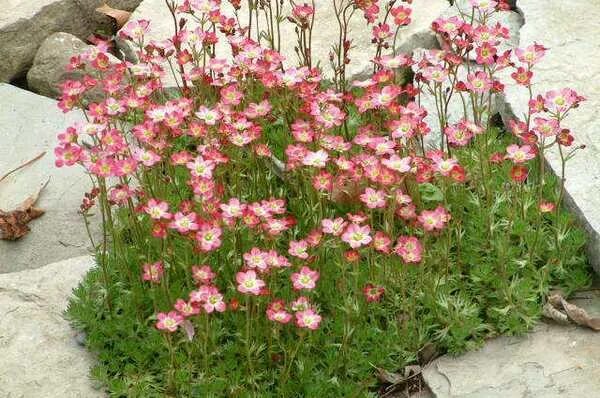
column 580, row 316
column 120, row 16
column 13, row 224
column 552, row 313
column 560, row 310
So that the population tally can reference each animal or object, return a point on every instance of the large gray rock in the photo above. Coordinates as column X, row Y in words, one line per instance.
column 415, row 35
column 552, row 362
column 24, row 24
column 40, row 354
column 571, row 31
column 50, row 63
column 29, row 124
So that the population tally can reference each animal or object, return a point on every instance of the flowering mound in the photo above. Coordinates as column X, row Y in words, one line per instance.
column 268, row 232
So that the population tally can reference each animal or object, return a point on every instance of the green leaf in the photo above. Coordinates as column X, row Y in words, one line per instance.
column 431, row 193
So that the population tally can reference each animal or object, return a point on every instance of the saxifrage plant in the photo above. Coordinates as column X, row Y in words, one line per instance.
column 270, row 232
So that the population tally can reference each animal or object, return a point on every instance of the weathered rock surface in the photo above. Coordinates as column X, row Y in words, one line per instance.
column 571, row 31
column 24, row 24
column 552, row 362
column 51, row 60
column 416, row 35
column 29, row 124
column 40, row 355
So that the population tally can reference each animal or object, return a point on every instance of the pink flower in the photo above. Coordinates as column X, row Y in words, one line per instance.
column 153, row 272
column 302, row 12
column 373, row 199
column 169, row 322
column 256, row 259
column 201, row 167
column 308, row 319
column 546, row 207
column 67, row 154
column 298, row 249
column 485, row 54
column 357, row 236
column 478, row 82
column 560, row 101
column 209, row 238
column 203, row 274
column 316, row 159
column 382, row 242
column 157, row 209
column 276, row 312
column 185, row 308
column 249, row 283
column 409, row 248
column 300, row 304
column 458, row 134
column 530, row 55
column 146, row 157
column 434, row 219
column 213, row 301
column 334, row 227
column 373, row 293
column 396, row 163
column 520, row 154
column 305, row 279
column 134, row 30
column 184, row 223
column 233, row 209
column 401, row 15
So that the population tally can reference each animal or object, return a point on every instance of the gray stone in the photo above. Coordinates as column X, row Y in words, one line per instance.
column 24, row 24
column 50, row 63
column 29, row 124
column 40, row 356
column 413, row 36
column 571, row 31
column 553, row 361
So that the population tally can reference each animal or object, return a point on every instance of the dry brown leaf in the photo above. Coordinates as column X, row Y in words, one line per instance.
column 13, row 224
column 552, row 313
column 562, row 311
column 580, row 316
column 120, row 16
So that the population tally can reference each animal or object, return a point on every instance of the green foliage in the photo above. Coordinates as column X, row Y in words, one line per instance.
column 476, row 281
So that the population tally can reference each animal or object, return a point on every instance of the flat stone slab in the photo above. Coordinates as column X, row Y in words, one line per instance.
column 29, row 124
column 552, row 362
column 40, row 355
column 571, row 31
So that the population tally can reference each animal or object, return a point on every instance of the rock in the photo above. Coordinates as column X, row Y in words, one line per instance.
column 570, row 31
column 28, row 23
column 413, row 36
column 40, row 356
column 89, row 6
column 29, row 124
column 419, row 34
column 51, row 60
column 552, row 362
